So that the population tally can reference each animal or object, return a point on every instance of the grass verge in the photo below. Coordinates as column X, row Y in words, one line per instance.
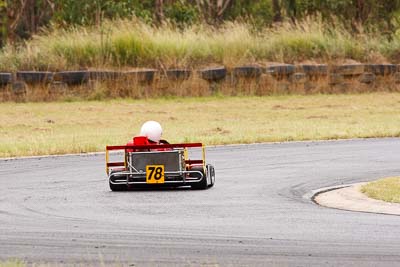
column 12, row 263
column 132, row 43
column 387, row 189
column 74, row 127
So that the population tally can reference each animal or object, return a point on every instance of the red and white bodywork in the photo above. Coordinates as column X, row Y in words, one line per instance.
column 147, row 164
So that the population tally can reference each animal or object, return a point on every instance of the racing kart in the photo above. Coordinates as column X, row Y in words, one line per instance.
column 165, row 165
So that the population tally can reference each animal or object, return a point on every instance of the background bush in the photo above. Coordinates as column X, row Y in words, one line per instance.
column 68, row 34
column 20, row 19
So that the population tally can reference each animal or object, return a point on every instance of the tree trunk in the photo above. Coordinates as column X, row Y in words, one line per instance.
column 159, row 11
column 276, row 8
column 291, row 7
column 24, row 17
column 213, row 10
column 15, row 14
column 31, row 16
column 360, row 13
column 3, row 23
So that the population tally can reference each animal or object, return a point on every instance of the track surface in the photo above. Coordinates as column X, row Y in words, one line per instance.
column 60, row 210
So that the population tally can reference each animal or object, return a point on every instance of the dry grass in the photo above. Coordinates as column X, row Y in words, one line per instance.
column 20, row 263
column 132, row 43
column 12, row 263
column 387, row 189
column 74, row 127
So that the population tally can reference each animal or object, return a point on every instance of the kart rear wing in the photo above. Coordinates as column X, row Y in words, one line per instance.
column 128, row 148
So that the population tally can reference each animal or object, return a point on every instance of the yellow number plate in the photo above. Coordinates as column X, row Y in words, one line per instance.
column 155, row 174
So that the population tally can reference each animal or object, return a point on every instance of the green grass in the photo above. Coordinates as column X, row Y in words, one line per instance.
column 387, row 189
column 131, row 43
column 73, row 127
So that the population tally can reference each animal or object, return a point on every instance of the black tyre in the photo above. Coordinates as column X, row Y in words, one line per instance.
column 19, row 88
column 349, row 69
column 178, row 74
column 280, row 71
column 5, row 78
column 211, row 174
column 103, row 75
column 117, row 187
column 35, row 77
column 145, row 76
column 203, row 182
column 213, row 74
column 381, row 69
column 247, row 72
column 313, row 70
column 72, row 77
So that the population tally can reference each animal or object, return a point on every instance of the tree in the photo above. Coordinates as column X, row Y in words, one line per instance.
column 291, row 9
column 276, row 8
column 3, row 22
column 24, row 17
column 213, row 10
column 159, row 11
column 290, row 6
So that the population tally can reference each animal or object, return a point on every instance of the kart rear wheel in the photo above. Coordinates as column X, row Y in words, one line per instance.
column 117, row 187
column 211, row 174
column 203, row 182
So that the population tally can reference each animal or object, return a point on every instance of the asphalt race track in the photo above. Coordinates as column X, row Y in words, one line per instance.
column 60, row 210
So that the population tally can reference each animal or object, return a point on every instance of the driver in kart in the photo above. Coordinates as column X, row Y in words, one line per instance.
column 150, row 134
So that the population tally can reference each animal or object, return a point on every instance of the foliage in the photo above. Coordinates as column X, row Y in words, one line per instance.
column 89, row 12
column 182, row 13
column 3, row 22
column 259, row 12
column 133, row 43
column 378, row 14
column 25, row 17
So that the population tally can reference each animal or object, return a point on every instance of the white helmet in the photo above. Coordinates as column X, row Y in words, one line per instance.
column 152, row 130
